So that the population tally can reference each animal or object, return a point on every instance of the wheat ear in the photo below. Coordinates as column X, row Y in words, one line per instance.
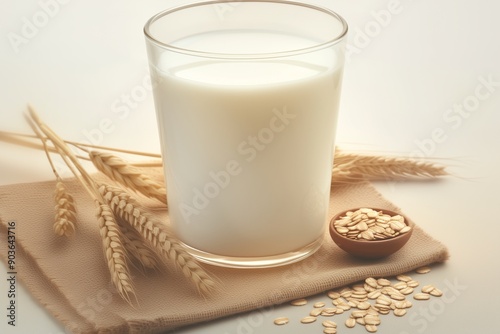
column 157, row 236
column 134, row 245
column 115, row 252
column 122, row 172
column 352, row 167
column 65, row 217
column 65, row 211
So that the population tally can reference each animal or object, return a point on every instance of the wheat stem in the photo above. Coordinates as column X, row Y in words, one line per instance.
column 12, row 138
column 69, row 158
column 15, row 138
column 44, row 145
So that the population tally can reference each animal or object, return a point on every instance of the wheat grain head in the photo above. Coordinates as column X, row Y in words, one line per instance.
column 65, row 217
column 165, row 244
column 115, row 252
column 122, row 172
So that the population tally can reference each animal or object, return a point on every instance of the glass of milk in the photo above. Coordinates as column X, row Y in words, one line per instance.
column 246, row 96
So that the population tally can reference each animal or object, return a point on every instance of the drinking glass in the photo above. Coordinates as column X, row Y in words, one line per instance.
column 246, row 96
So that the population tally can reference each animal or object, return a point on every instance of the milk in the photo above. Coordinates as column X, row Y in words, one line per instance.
column 247, row 145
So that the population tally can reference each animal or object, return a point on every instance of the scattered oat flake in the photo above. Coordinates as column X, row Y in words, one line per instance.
column 423, row 270
column 298, row 302
column 281, row 321
column 367, row 300
column 308, row 320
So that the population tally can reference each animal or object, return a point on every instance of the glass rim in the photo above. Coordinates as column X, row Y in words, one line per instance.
column 336, row 39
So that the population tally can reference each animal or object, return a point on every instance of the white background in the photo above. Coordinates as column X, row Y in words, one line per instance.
column 406, row 71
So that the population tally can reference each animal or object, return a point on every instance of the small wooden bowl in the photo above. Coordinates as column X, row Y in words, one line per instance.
column 370, row 249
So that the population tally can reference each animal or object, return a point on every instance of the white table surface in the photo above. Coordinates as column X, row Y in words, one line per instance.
column 408, row 75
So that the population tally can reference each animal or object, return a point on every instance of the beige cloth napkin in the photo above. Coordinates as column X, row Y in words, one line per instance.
column 69, row 276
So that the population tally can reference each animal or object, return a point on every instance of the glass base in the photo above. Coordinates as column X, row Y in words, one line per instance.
column 256, row 262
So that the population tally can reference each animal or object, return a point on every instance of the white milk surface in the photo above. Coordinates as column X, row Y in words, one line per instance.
column 247, row 145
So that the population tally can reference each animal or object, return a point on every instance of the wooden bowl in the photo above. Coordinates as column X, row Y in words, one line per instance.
column 370, row 249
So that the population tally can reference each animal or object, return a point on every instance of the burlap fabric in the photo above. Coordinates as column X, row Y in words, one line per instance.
column 70, row 277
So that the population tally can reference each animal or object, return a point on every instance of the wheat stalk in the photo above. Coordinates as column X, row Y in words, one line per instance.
column 344, row 174
column 134, row 245
column 157, row 236
column 65, row 211
column 354, row 167
column 114, row 252
column 110, row 234
column 115, row 205
column 122, row 172
column 65, row 217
